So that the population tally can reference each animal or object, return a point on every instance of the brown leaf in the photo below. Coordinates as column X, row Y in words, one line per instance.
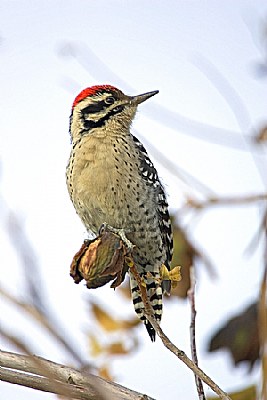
column 130, row 323
column 261, row 136
column 100, row 260
column 104, row 319
column 96, row 347
column 110, row 324
column 240, row 336
column 116, row 348
column 105, row 373
column 184, row 255
column 74, row 267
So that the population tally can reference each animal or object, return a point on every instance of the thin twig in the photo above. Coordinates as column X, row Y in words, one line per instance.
column 148, row 311
column 191, row 297
column 226, row 201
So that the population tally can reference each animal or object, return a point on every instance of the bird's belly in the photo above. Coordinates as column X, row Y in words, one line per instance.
column 142, row 230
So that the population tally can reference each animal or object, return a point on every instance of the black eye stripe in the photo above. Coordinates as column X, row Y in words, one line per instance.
column 89, row 124
column 94, row 108
column 98, row 106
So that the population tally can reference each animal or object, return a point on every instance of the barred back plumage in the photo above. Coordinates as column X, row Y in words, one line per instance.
column 111, row 179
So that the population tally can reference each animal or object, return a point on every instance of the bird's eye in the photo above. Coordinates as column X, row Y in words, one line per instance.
column 109, row 100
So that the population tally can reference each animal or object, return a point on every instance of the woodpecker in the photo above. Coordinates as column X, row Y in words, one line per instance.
column 111, row 180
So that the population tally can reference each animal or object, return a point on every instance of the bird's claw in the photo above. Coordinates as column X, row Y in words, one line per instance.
column 118, row 231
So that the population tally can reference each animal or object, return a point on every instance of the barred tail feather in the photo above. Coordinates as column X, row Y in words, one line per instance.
column 154, row 293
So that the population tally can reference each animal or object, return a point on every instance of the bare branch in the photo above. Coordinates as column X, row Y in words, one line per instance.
column 191, row 297
column 38, row 367
column 42, row 319
column 77, row 385
column 44, row 384
column 225, row 201
column 148, row 311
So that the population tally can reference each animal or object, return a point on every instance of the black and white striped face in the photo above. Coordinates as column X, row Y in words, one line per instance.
column 104, row 108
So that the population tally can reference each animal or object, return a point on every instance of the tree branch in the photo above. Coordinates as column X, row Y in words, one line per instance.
column 225, row 201
column 66, row 381
column 148, row 311
column 191, row 297
column 44, row 384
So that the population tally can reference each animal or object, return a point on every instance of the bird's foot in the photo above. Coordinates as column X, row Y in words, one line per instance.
column 118, row 231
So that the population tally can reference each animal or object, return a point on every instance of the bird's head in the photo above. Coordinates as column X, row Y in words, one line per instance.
column 102, row 109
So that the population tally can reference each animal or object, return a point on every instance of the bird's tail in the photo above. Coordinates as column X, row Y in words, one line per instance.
column 154, row 294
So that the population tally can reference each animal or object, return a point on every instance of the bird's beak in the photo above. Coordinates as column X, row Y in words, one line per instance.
column 135, row 100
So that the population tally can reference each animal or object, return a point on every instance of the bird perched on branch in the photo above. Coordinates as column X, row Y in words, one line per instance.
column 111, row 180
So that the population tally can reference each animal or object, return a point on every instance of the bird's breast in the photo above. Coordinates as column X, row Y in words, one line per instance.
column 104, row 182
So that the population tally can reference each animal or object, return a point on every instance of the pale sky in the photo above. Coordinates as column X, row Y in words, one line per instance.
column 145, row 45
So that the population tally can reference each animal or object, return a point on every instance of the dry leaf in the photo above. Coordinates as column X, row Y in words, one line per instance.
column 261, row 136
column 104, row 373
column 184, row 255
column 116, row 348
column 240, row 336
column 130, row 323
column 95, row 346
column 104, row 319
column 100, row 260
column 110, row 324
